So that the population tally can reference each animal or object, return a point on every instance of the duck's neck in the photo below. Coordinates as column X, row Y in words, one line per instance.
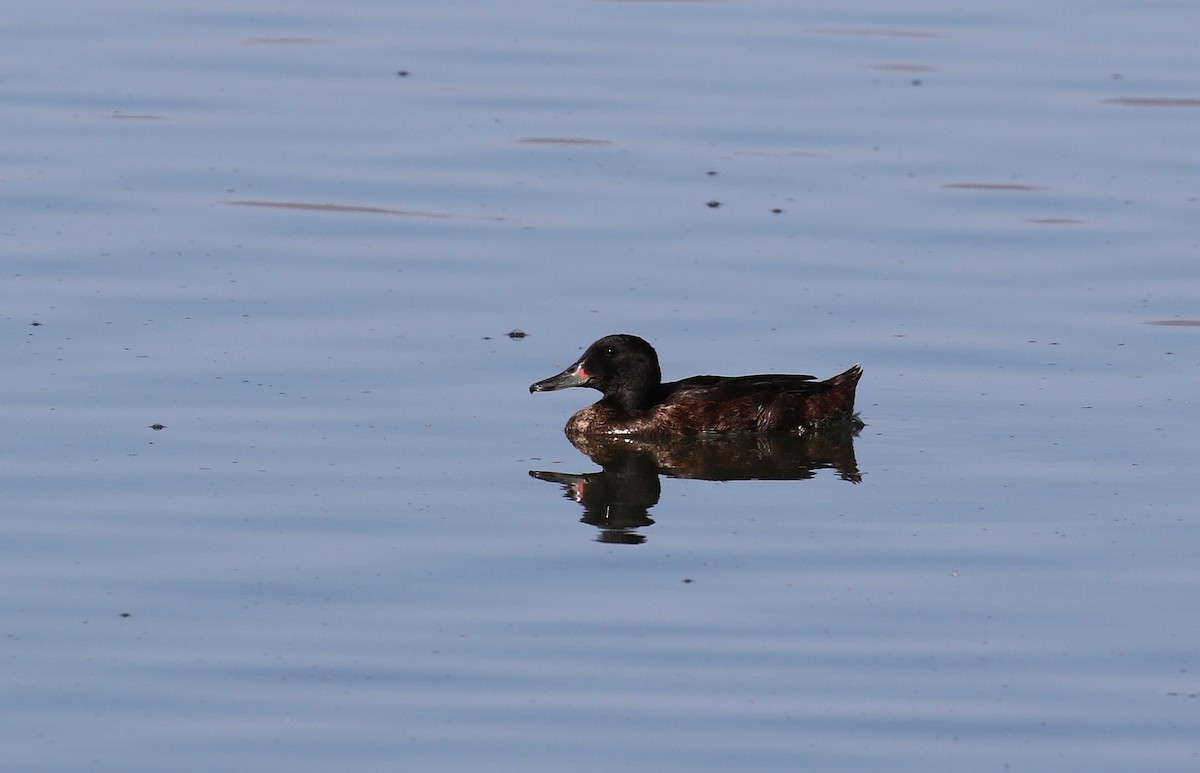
column 631, row 400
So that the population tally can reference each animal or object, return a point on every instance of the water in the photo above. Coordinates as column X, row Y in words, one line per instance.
column 245, row 225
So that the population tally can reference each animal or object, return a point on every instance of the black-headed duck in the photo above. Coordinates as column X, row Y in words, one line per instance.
column 636, row 402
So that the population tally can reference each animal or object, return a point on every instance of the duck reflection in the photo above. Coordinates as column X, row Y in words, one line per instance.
column 617, row 499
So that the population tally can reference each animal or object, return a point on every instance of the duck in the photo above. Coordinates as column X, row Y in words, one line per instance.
column 625, row 369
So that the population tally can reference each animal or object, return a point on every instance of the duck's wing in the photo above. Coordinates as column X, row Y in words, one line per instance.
column 760, row 403
column 723, row 388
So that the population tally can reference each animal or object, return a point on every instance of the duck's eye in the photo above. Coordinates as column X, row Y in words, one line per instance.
column 609, row 351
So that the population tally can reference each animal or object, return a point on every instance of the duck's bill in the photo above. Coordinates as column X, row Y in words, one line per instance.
column 571, row 377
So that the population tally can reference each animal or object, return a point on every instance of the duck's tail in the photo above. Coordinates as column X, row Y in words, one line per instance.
column 848, row 379
column 837, row 401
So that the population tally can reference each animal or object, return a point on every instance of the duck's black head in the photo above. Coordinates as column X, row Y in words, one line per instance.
column 623, row 367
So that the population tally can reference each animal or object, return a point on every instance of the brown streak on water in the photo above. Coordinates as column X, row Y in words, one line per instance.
column 134, row 117
column 780, row 154
column 284, row 41
column 1153, row 101
column 901, row 67
column 871, row 31
column 310, row 207
column 995, row 187
column 563, row 141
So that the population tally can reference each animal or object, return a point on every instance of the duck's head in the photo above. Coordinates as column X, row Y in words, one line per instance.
column 623, row 367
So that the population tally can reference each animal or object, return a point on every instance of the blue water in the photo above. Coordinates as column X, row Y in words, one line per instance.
column 246, row 226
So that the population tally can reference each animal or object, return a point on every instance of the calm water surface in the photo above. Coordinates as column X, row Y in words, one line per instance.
column 296, row 237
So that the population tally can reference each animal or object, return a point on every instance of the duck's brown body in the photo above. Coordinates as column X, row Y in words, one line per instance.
column 625, row 368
